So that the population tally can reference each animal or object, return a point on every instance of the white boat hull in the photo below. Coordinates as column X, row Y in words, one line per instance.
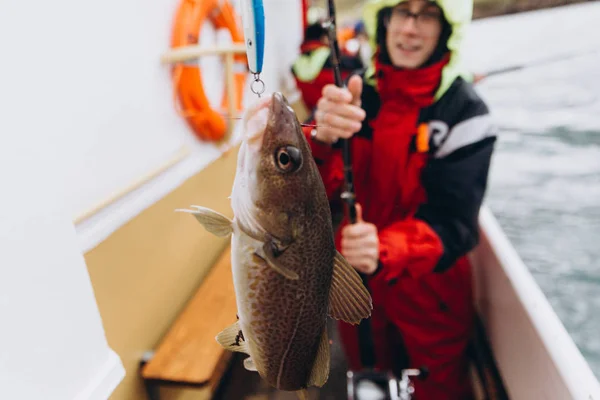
column 535, row 356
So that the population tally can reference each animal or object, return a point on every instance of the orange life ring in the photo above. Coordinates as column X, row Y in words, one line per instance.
column 206, row 123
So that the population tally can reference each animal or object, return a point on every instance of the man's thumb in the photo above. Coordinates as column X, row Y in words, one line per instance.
column 355, row 85
column 358, row 208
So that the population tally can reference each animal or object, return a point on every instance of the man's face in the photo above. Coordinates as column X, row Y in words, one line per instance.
column 413, row 31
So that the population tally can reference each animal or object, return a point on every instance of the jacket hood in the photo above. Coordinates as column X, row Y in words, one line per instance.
column 458, row 13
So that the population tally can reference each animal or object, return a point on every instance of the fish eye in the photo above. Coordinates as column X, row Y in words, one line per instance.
column 288, row 158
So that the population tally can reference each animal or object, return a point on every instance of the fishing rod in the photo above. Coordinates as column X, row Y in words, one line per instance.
column 366, row 345
column 348, row 194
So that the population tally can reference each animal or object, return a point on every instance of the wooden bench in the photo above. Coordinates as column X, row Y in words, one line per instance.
column 188, row 355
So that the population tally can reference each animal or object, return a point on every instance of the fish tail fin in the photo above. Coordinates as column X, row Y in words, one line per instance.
column 302, row 394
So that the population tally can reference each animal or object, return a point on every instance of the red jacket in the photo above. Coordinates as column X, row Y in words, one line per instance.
column 395, row 187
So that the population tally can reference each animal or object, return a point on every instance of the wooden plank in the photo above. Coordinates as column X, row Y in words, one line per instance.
column 193, row 52
column 189, row 352
column 231, row 96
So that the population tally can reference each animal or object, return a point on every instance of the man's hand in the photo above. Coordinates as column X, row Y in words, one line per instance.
column 360, row 244
column 338, row 113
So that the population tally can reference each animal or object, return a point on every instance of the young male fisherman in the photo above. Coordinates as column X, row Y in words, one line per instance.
column 421, row 146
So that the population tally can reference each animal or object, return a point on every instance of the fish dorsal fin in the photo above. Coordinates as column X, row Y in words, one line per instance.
column 320, row 371
column 215, row 223
column 349, row 299
column 232, row 339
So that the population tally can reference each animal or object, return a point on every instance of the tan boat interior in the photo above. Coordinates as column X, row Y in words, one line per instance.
column 147, row 274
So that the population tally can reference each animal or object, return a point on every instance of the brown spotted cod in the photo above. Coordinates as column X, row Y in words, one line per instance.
column 288, row 276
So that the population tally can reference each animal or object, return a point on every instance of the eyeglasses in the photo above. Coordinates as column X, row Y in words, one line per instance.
column 423, row 19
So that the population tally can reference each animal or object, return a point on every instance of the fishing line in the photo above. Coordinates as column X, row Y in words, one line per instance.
column 301, row 124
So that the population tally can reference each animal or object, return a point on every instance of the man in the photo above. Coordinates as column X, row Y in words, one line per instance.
column 312, row 70
column 421, row 142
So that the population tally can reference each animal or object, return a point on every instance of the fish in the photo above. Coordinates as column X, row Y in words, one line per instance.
column 288, row 276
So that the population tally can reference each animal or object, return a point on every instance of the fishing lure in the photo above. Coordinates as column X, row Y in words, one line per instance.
column 253, row 19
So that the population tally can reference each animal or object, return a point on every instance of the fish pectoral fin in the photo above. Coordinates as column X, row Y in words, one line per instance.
column 269, row 256
column 349, row 299
column 249, row 364
column 232, row 339
column 302, row 394
column 320, row 370
column 215, row 223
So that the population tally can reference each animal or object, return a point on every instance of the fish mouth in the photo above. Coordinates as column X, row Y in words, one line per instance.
column 259, row 105
column 278, row 103
column 280, row 118
column 258, row 117
column 255, row 120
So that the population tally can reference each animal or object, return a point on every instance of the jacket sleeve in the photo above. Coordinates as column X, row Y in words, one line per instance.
column 446, row 226
column 329, row 162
